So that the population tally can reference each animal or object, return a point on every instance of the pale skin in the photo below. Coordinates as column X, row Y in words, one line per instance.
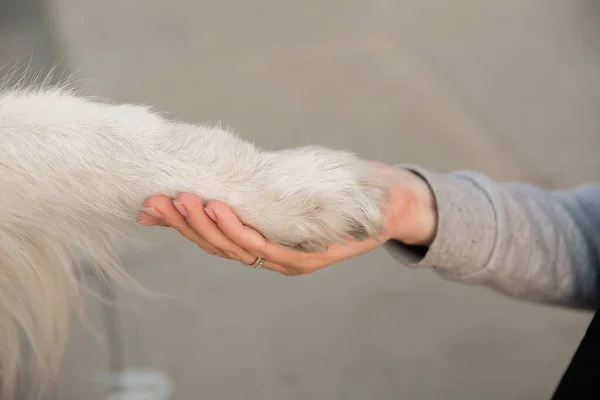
column 411, row 218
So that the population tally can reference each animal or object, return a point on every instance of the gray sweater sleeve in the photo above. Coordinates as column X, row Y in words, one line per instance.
column 526, row 242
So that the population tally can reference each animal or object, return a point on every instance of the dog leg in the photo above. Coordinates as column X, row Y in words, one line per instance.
column 74, row 173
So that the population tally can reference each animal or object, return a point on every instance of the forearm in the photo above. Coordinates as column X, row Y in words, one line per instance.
column 524, row 241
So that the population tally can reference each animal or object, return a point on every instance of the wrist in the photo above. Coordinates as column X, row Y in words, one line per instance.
column 414, row 208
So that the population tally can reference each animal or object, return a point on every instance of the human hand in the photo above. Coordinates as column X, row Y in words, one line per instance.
column 411, row 218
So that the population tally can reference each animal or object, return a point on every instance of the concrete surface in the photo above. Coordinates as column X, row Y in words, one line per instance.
column 506, row 87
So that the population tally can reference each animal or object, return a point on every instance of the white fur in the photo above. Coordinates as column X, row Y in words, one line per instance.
column 74, row 172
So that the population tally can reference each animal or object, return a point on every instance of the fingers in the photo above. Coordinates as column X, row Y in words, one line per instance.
column 149, row 217
column 252, row 241
column 170, row 216
column 218, row 231
column 278, row 258
column 192, row 209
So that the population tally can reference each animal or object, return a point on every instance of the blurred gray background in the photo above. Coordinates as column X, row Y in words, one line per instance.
column 507, row 87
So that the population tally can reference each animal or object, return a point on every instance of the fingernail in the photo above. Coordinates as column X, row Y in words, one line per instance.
column 144, row 219
column 180, row 208
column 210, row 213
column 151, row 211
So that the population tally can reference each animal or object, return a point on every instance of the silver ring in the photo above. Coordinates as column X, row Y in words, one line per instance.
column 258, row 263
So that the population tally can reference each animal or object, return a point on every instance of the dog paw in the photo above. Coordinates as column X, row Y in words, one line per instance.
column 309, row 198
